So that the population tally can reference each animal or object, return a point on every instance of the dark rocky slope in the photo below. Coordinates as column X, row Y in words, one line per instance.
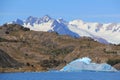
column 7, row 61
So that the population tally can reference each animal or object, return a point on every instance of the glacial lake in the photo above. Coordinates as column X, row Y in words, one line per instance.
column 87, row 75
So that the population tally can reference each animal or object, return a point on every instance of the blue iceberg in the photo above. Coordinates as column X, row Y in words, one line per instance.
column 84, row 64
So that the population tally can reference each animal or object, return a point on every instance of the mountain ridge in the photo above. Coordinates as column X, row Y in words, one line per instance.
column 104, row 33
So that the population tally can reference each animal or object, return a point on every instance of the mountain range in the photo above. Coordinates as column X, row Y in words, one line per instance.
column 103, row 33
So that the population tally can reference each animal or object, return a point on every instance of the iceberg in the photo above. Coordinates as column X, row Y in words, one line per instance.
column 85, row 64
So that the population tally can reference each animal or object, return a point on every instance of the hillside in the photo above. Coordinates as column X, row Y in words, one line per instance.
column 42, row 51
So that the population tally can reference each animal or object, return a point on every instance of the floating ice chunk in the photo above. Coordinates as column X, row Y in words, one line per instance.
column 85, row 64
column 84, row 59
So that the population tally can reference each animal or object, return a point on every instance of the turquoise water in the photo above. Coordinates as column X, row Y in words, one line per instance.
column 61, row 76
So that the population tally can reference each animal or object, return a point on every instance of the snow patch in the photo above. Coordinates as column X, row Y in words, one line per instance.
column 84, row 59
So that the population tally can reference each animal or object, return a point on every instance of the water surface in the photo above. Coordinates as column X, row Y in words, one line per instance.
column 61, row 76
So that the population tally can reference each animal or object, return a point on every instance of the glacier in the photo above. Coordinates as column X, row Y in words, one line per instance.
column 85, row 64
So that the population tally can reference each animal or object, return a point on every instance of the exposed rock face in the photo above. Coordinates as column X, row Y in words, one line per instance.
column 117, row 66
column 41, row 51
column 7, row 61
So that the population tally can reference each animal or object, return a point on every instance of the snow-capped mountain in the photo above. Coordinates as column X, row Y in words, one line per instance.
column 103, row 33
column 109, row 31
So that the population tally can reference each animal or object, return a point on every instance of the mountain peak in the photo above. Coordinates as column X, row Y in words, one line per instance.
column 78, row 21
column 18, row 21
column 30, row 18
column 46, row 18
column 61, row 20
